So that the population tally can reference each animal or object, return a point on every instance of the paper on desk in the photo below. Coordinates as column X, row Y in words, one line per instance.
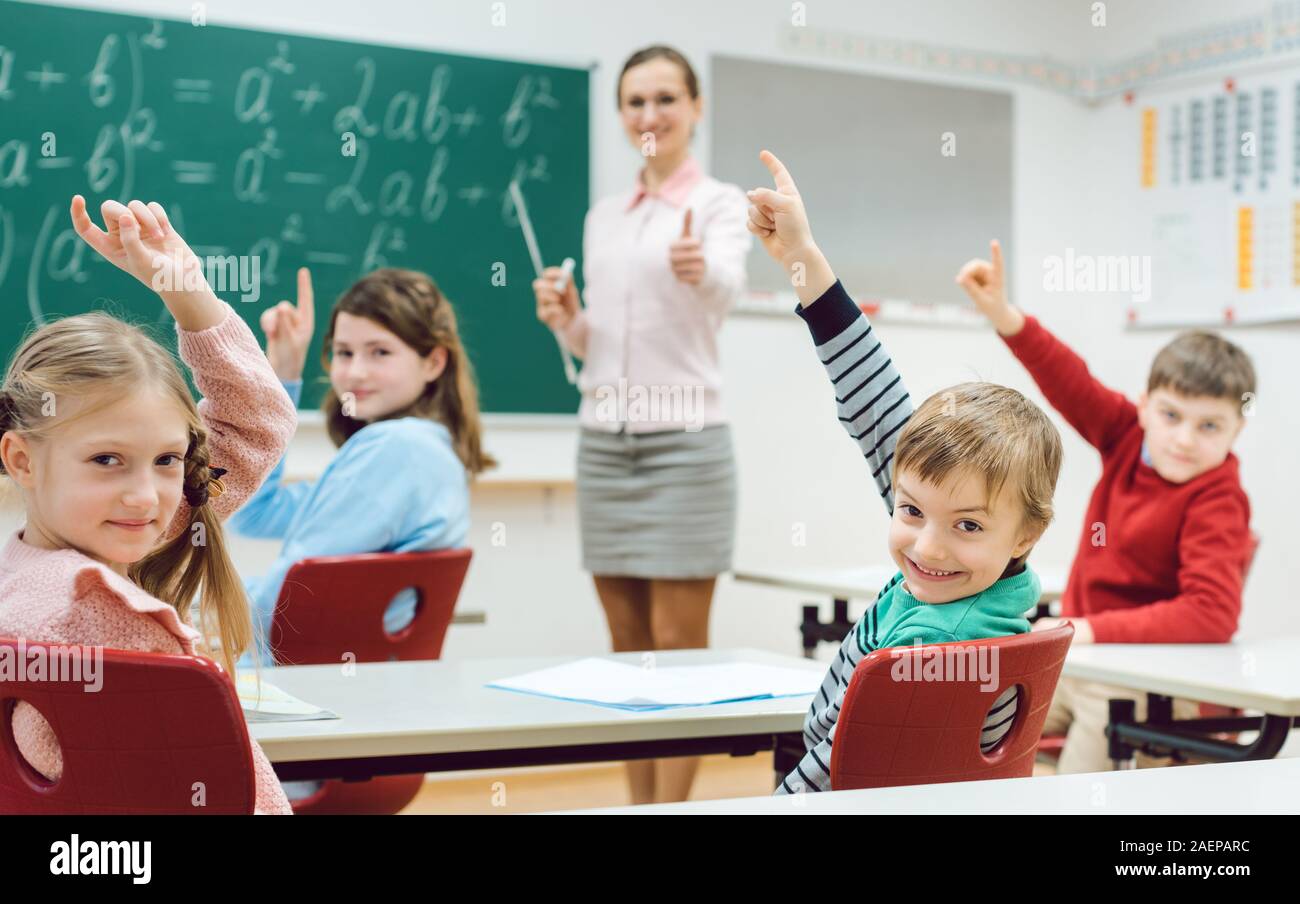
column 264, row 702
column 604, row 682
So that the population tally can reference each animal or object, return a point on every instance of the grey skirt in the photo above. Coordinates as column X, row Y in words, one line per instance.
column 657, row 505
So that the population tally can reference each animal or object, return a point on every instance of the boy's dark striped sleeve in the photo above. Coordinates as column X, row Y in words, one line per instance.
column 872, row 400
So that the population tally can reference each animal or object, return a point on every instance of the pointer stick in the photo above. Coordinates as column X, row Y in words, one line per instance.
column 570, row 372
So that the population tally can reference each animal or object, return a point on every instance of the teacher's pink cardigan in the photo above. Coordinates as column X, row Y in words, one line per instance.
column 64, row 596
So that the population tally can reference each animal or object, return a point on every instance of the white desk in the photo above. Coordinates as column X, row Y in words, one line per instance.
column 404, row 717
column 844, row 584
column 1263, row 786
column 1262, row 675
column 1257, row 675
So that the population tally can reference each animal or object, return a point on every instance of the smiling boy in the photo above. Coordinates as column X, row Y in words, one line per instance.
column 967, row 478
column 1166, row 538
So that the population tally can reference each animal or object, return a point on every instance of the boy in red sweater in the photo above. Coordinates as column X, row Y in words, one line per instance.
column 1166, row 539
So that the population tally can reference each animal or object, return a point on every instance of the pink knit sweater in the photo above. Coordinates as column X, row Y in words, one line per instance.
column 64, row 596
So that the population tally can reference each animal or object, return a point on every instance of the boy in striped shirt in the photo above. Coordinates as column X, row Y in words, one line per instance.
column 970, row 488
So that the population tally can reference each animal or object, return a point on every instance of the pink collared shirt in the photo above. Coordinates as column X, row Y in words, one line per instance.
column 648, row 341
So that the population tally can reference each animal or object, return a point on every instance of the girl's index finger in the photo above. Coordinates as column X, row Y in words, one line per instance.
column 995, row 249
column 306, row 297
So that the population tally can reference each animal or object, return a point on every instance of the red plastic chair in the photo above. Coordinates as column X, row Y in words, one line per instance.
column 896, row 732
column 332, row 607
column 1051, row 746
column 158, row 724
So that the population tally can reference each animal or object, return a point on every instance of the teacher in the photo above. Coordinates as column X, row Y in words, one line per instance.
column 662, row 264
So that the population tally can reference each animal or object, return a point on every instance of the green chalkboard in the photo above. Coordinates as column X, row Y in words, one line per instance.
column 243, row 136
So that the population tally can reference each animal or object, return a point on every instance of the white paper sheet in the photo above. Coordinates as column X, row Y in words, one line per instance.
column 623, row 686
column 262, row 701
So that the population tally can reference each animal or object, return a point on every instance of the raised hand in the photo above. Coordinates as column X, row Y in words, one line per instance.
column 686, row 255
column 139, row 239
column 289, row 330
column 777, row 216
column 985, row 282
column 779, row 220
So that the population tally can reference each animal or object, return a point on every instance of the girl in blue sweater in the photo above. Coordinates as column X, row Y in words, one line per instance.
column 402, row 408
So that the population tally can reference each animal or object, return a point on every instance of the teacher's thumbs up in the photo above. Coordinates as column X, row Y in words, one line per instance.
column 686, row 254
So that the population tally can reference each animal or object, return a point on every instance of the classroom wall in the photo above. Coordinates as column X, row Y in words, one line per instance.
column 1075, row 167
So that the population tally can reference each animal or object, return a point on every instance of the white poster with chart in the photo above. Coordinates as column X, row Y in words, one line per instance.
column 1219, row 177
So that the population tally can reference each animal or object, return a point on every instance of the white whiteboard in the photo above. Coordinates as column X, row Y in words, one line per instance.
column 895, row 216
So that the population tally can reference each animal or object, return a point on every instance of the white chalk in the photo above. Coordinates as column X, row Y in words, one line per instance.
column 562, row 282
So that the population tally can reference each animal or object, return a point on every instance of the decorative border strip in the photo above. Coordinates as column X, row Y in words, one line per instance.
column 1040, row 71
column 1248, row 39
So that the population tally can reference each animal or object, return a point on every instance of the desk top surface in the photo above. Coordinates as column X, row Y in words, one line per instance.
column 398, row 708
column 1262, row 674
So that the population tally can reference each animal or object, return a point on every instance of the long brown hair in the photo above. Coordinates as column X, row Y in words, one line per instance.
column 101, row 359
column 409, row 305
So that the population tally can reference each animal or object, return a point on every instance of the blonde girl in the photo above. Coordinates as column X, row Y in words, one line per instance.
column 125, row 480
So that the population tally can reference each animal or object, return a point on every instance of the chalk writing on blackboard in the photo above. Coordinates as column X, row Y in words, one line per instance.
column 46, row 76
column 154, row 39
column 250, row 167
column 308, row 97
column 192, row 90
column 6, row 72
column 102, row 86
column 253, row 92
column 62, row 259
column 243, row 130
column 516, row 122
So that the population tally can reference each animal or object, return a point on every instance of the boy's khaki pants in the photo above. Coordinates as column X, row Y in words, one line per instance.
column 1081, row 710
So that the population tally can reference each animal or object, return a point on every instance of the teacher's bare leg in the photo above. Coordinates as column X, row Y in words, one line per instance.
column 627, row 610
column 679, row 620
